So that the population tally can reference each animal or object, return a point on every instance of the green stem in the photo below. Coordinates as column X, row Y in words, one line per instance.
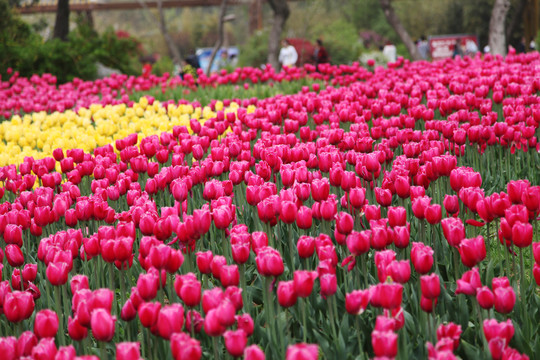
column 243, row 285
column 60, row 313
column 103, row 351
column 332, row 317
column 270, row 318
column 358, row 332
column 215, row 346
column 291, row 249
column 302, row 303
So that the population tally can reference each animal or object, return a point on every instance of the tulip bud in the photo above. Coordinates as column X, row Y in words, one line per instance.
column 302, row 351
column 235, row 342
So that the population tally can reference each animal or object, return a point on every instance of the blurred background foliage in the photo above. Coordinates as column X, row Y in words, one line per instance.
column 349, row 29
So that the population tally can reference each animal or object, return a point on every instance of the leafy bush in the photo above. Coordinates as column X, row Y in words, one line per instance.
column 255, row 51
column 25, row 51
column 341, row 41
column 163, row 65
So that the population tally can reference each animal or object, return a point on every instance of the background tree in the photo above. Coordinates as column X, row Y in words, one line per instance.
column 221, row 35
column 61, row 24
column 497, row 34
column 400, row 30
column 281, row 12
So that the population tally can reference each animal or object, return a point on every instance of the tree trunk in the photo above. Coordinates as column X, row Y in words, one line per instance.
column 393, row 20
column 281, row 13
column 174, row 52
column 497, row 36
column 516, row 17
column 221, row 32
column 61, row 24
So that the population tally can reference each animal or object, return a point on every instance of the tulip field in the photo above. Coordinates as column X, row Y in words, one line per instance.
column 339, row 212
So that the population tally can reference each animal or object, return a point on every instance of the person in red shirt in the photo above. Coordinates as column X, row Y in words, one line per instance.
column 320, row 54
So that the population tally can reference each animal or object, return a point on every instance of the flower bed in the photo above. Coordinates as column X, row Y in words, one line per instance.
column 391, row 217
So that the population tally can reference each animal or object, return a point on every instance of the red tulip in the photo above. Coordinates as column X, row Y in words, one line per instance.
column 402, row 186
column 430, row 286
column 494, row 329
column 26, row 342
column 14, row 255
column 102, row 325
column 450, row 331
column 320, row 189
column 235, row 342
column 469, row 282
column 302, row 351
column 372, row 212
column 185, row 348
column 170, row 320
column 328, row 285
column 485, row 298
column 433, row 214
column 128, row 350
column 128, row 311
column 522, row 234
column 451, row 204
column 383, row 197
column 401, row 236
column 453, row 230
column 472, row 251
column 304, row 218
column 386, row 295
column 204, row 260
column 420, row 205
column 288, row 212
column 253, row 352
column 212, row 325
column 357, row 197
column 422, row 258
column 44, row 349
column 286, row 293
column 536, row 273
column 505, row 299
column 303, row 282
column 306, row 246
column 344, row 223
column 384, row 343
column 8, row 347
column 46, row 324
column 75, row 330
column 358, row 242
column 240, row 251
column 399, row 271
column 397, row 216
column 229, row 275
column 357, row 301
column 269, row 262
column 78, row 282
column 13, row 235
column 245, row 323
column 427, row 304
column 147, row 285
column 18, row 306
column 515, row 189
column 57, row 273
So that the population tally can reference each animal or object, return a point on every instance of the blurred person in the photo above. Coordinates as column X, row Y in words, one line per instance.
column 423, row 47
column 520, row 47
column 320, row 54
column 471, row 48
column 223, row 61
column 390, row 52
column 458, row 51
column 287, row 55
